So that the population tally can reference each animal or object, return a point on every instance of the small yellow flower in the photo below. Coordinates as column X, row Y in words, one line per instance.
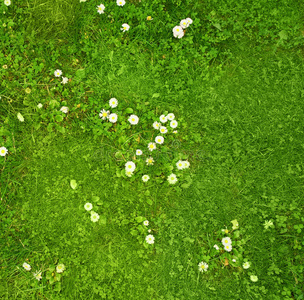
column 149, row 18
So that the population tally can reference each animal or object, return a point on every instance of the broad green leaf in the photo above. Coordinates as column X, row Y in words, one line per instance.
column 155, row 95
column 283, row 34
column 140, row 219
column 103, row 220
column 129, row 110
column 73, row 184
column 80, row 73
column 95, row 198
column 59, row 118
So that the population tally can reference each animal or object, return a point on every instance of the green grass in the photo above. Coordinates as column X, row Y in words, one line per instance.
column 240, row 113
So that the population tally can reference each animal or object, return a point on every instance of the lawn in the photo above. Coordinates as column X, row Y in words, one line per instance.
column 211, row 207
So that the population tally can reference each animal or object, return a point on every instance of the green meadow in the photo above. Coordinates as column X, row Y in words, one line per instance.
column 212, row 205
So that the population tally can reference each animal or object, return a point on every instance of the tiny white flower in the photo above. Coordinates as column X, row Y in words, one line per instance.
column 173, row 123
column 156, row 125
column 133, row 119
column 254, row 278
column 226, row 241
column 149, row 230
column 170, row 116
column 100, row 9
column 130, row 166
column 172, row 179
column 180, row 165
column 64, row 109
column 159, row 139
column 65, row 80
column 246, row 265
column 26, row 266
column 139, row 152
column 125, row 27
column 83, row 0
column 145, row 178
column 39, row 105
column 151, row 146
column 104, row 114
column 202, row 266
column 163, row 129
column 20, row 117
column 267, row 224
column 37, row 275
column 129, row 173
column 120, row 2
column 189, row 21
column 58, row 73
column 235, row 224
column 175, row 131
column 60, row 268
column 7, row 2
column 113, row 102
column 88, row 206
column 94, row 217
column 234, row 260
column 216, row 247
column 184, row 23
column 228, row 248
column 150, row 239
column 113, row 118
column 178, row 32
column 3, row 151
column 146, row 223
column 186, row 164
column 163, row 118
column 150, row 161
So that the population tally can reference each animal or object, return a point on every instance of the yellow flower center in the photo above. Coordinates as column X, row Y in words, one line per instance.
column 2, row 151
column 104, row 114
column 133, row 120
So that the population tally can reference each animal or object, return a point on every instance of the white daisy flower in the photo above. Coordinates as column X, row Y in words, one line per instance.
column 175, row 131
column 216, row 247
column 234, row 260
column 150, row 161
column 129, row 173
column 156, row 125
column 113, row 102
column 88, row 206
column 120, row 2
column 130, row 166
column 125, row 27
column 3, row 151
column 139, row 152
column 170, row 116
column 226, row 241
column 26, row 266
column 145, row 178
column 246, row 265
column 180, row 165
column 20, row 117
column 94, row 217
column 146, row 223
column 39, row 105
column 64, row 109
column 186, row 164
column 58, row 73
column 202, row 266
column 149, row 230
column 178, row 32
column 163, row 129
column 228, row 248
column 163, row 118
column 65, row 80
column 150, row 239
column 172, row 179
column 133, row 119
column 159, row 139
column 7, row 2
column 60, row 268
column 184, row 23
column 104, row 114
column 113, row 118
column 37, row 275
column 189, row 21
column 100, row 8
column 152, row 146
column 254, row 278
column 173, row 124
